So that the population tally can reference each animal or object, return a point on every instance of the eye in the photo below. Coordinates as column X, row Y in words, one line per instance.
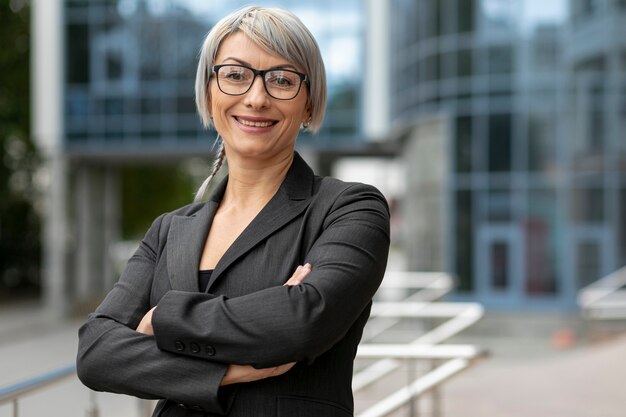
column 281, row 79
column 234, row 74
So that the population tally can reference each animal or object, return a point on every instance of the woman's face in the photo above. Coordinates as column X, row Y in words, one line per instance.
column 255, row 125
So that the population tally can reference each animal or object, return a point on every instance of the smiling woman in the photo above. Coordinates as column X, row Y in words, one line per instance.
column 253, row 302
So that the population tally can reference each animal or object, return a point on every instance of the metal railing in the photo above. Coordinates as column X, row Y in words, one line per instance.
column 606, row 298
column 445, row 361
column 13, row 393
column 419, row 291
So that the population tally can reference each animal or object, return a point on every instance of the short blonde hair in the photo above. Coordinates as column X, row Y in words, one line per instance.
column 278, row 32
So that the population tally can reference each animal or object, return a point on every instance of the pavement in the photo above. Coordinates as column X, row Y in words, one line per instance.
column 552, row 370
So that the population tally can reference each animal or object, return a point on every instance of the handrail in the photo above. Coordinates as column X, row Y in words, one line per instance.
column 445, row 361
column 605, row 298
column 459, row 358
column 12, row 392
column 462, row 316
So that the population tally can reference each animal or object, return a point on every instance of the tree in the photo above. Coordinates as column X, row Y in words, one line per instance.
column 19, row 222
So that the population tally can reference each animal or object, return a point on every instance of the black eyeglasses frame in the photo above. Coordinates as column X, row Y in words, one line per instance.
column 303, row 79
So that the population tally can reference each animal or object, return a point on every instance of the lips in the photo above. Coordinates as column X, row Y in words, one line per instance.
column 255, row 121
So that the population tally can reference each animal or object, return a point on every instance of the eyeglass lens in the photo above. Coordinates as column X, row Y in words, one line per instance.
column 280, row 83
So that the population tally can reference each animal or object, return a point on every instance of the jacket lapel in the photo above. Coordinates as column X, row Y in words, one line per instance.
column 292, row 198
column 185, row 243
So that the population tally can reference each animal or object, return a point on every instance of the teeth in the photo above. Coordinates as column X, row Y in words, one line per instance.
column 254, row 124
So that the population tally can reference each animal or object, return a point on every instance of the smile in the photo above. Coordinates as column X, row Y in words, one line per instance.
column 255, row 123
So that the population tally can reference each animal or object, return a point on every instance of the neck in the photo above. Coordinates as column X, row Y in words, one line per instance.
column 254, row 183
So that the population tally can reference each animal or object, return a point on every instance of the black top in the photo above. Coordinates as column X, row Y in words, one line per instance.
column 203, row 278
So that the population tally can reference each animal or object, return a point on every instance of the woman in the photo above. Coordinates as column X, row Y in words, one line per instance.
column 252, row 303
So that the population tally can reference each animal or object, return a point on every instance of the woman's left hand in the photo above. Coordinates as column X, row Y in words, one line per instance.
column 145, row 325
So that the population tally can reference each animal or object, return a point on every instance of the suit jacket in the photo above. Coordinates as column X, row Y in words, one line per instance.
column 246, row 315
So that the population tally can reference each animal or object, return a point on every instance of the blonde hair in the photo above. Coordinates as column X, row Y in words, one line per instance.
column 276, row 31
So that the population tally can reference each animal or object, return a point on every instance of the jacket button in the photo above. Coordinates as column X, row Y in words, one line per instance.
column 195, row 348
column 179, row 346
column 210, row 350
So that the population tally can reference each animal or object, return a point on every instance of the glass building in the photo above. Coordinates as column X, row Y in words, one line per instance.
column 513, row 115
column 130, row 69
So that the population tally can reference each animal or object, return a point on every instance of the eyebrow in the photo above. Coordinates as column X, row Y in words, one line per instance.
column 247, row 64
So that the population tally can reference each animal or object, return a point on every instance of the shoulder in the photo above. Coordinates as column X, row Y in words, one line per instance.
column 338, row 193
column 334, row 186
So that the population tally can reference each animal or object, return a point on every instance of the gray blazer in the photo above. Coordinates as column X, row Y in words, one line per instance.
column 246, row 316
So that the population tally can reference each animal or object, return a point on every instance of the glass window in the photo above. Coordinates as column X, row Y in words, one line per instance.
column 541, row 142
column 587, row 205
column 499, row 268
column 430, row 68
column 77, row 36
column 540, row 230
column 588, row 268
column 621, row 226
column 464, row 63
column 464, row 240
column 466, row 15
column 500, row 59
column 498, row 206
column 499, row 148
column 463, row 146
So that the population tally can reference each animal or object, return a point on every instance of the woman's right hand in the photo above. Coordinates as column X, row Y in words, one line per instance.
column 298, row 276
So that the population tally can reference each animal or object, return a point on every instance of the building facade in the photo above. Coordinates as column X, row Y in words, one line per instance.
column 528, row 105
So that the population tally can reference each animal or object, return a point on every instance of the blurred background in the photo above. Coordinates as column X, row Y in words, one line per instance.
column 495, row 128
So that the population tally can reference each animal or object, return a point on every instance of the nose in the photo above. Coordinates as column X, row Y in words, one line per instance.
column 257, row 96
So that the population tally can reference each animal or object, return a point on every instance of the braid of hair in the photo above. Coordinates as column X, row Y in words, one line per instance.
column 217, row 164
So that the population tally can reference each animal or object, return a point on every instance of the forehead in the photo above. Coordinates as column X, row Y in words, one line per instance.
column 239, row 47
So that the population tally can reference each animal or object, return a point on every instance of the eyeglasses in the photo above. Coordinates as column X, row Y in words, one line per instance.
column 281, row 84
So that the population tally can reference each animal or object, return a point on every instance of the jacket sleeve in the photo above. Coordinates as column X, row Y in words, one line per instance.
column 291, row 323
column 113, row 357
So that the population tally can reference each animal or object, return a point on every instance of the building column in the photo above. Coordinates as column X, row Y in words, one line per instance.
column 47, row 54
column 377, row 88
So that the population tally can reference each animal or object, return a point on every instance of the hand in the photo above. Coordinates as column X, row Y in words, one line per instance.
column 145, row 325
column 245, row 373
column 298, row 276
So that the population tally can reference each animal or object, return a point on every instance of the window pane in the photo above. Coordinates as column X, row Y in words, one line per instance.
column 587, row 263
column 466, row 15
column 499, row 143
column 464, row 62
column 540, row 229
column 621, row 226
column 587, row 205
column 463, row 146
column 541, row 142
column 464, row 240
column 499, row 256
